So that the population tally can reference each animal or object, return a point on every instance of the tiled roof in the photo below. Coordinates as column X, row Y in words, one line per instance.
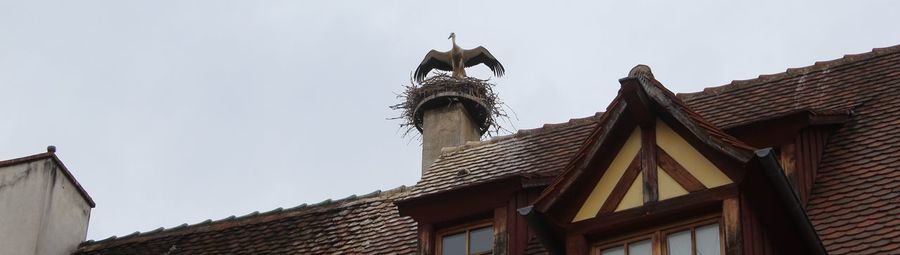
column 855, row 202
column 538, row 152
column 367, row 224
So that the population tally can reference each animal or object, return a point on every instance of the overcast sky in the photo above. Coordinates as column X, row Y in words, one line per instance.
column 177, row 111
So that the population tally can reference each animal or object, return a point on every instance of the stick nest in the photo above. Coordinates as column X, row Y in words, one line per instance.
column 414, row 95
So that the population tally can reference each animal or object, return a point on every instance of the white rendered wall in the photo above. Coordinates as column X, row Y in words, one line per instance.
column 41, row 211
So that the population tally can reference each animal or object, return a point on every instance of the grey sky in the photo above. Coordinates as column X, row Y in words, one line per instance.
column 174, row 111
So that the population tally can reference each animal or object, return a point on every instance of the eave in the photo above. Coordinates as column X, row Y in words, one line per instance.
column 783, row 128
column 468, row 200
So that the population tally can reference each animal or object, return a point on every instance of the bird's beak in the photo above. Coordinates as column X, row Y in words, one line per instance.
column 448, row 37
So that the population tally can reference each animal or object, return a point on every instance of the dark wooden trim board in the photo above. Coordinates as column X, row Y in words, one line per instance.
column 678, row 172
column 618, row 192
column 648, row 163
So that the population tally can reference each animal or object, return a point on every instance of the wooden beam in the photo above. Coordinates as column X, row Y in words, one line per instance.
column 601, row 138
column 678, row 172
column 516, row 227
column 576, row 245
column 501, row 236
column 732, row 168
column 618, row 192
column 731, row 217
column 648, row 163
column 580, row 185
column 788, row 157
column 669, row 104
column 426, row 239
column 637, row 102
column 654, row 213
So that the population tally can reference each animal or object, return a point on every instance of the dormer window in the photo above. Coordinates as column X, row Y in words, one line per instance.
column 473, row 239
column 691, row 238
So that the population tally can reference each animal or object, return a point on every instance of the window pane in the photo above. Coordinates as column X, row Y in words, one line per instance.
column 454, row 244
column 640, row 248
column 679, row 243
column 615, row 251
column 708, row 240
column 481, row 240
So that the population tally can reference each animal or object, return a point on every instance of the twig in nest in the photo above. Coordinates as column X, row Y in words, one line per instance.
column 414, row 94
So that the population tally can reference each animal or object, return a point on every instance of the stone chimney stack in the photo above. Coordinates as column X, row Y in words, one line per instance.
column 448, row 112
column 446, row 125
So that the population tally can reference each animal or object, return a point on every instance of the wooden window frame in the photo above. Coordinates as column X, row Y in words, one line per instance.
column 658, row 236
column 624, row 242
column 692, row 227
column 464, row 228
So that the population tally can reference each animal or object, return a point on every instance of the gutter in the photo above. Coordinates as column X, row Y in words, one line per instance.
column 788, row 197
column 534, row 219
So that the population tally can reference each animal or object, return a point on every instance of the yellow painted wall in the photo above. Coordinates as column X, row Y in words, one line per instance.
column 669, row 141
column 612, row 175
column 691, row 159
column 634, row 197
column 668, row 187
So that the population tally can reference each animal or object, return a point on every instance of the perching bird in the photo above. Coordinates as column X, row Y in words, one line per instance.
column 456, row 60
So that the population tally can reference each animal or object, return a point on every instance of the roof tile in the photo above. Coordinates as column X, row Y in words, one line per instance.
column 368, row 224
column 858, row 181
column 534, row 151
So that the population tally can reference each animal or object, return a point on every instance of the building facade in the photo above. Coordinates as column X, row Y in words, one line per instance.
column 43, row 209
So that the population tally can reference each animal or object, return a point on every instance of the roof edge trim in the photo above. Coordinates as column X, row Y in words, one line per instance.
column 51, row 155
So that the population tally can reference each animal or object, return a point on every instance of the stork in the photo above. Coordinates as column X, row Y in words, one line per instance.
column 456, row 60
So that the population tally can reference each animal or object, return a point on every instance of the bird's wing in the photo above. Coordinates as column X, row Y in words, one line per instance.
column 481, row 55
column 434, row 59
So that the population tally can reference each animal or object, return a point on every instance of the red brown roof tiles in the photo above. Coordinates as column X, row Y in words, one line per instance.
column 357, row 225
column 537, row 151
column 365, row 225
column 855, row 202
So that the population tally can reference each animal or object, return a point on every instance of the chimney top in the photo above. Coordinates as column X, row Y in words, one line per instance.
column 449, row 112
column 51, row 149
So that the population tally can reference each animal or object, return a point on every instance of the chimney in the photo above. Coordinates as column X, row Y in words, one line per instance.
column 449, row 112
column 446, row 125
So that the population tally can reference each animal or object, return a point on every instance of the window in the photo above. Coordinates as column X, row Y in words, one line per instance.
column 636, row 247
column 467, row 240
column 698, row 237
column 695, row 240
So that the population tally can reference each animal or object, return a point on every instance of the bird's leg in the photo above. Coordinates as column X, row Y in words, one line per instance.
column 459, row 70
